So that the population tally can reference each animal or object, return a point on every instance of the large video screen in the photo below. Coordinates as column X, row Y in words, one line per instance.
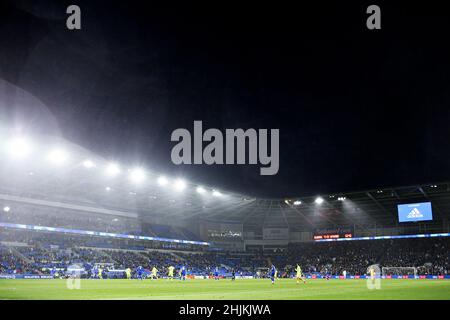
column 333, row 233
column 413, row 212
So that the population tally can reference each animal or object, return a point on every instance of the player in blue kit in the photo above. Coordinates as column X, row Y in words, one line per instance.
column 94, row 272
column 216, row 273
column 273, row 273
column 183, row 273
column 54, row 273
column 140, row 272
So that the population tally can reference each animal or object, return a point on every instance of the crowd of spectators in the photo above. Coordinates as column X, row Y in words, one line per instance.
column 93, row 222
column 69, row 240
column 431, row 256
column 40, row 252
column 58, row 219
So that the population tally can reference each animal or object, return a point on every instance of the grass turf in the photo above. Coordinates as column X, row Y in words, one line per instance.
column 225, row 289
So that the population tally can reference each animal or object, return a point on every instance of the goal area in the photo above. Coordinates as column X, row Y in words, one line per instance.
column 399, row 271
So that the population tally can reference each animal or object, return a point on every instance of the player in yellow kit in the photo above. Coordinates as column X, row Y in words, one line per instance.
column 299, row 275
column 372, row 274
column 170, row 272
column 128, row 273
column 154, row 273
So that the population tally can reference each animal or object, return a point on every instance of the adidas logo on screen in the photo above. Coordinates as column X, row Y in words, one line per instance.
column 415, row 213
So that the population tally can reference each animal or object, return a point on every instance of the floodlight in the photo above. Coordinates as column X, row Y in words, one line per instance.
column 297, row 203
column 6, row 209
column 319, row 200
column 179, row 185
column 137, row 175
column 108, row 188
column 200, row 190
column 342, row 198
column 19, row 147
column 162, row 181
column 88, row 164
column 57, row 156
column 112, row 169
column 216, row 193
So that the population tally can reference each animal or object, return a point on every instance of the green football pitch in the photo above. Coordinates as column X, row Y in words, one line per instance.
column 224, row 289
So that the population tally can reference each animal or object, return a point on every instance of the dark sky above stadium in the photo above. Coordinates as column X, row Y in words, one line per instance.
column 356, row 108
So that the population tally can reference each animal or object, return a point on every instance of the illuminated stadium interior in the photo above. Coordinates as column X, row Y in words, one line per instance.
column 53, row 178
column 202, row 151
column 62, row 204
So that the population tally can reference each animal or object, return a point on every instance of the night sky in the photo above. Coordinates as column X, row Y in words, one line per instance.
column 357, row 109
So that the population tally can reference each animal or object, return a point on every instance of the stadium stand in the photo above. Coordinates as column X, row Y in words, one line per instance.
column 52, row 219
column 429, row 255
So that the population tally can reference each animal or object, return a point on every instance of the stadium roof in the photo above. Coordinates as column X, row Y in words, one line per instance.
column 77, row 185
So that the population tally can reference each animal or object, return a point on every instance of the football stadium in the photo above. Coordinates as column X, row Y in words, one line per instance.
column 77, row 226
column 154, row 151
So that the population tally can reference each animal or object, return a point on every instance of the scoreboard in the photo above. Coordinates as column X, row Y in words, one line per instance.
column 321, row 234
